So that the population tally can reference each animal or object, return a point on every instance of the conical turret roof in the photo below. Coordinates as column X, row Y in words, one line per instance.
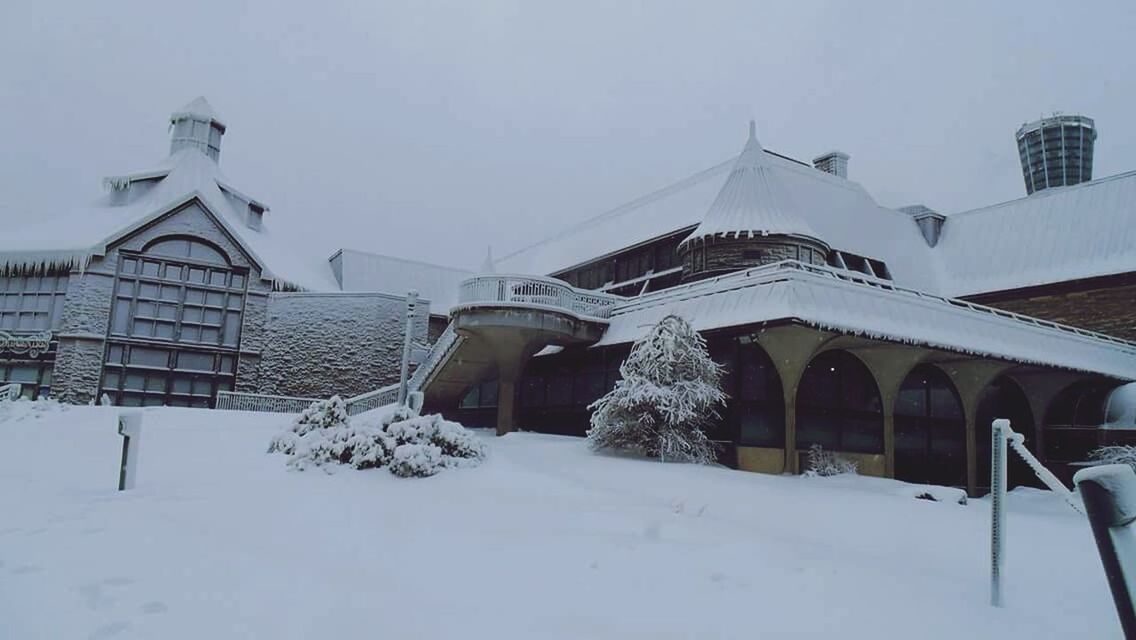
column 753, row 202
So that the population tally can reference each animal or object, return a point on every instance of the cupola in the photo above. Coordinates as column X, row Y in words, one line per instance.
column 197, row 126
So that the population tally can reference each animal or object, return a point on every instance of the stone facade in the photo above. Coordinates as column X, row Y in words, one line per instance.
column 320, row 344
column 715, row 256
column 1104, row 306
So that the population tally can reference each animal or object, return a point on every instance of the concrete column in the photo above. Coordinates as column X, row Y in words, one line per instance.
column 971, row 377
column 506, row 400
column 791, row 348
column 889, row 365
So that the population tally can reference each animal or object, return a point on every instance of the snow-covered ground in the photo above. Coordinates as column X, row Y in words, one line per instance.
column 544, row 540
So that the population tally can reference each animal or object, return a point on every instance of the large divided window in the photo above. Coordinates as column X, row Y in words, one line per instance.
column 930, row 430
column 175, row 326
column 31, row 303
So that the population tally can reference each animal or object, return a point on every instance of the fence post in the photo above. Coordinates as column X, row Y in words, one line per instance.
column 130, row 428
column 997, row 508
column 407, row 345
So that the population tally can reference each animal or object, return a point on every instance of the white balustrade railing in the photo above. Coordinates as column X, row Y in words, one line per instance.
column 238, row 401
column 509, row 290
column 9, row 391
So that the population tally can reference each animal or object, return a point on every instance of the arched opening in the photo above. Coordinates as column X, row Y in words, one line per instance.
column 838, row 406
column 1073, row 421
column 930, row 430
column 1003, row 398
column 175, row 324
column 754, row 413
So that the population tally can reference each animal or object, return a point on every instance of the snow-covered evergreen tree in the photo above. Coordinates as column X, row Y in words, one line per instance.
column 667, row 395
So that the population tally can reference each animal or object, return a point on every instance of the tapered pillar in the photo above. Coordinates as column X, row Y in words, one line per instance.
column 791, row 349
column 971, row 377
column 889, row 365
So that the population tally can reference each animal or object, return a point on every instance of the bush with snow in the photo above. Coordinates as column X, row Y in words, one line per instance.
column 667, row 395
column 827, row 463
column 22, row 408
column 1115, row 454
column 409, row 445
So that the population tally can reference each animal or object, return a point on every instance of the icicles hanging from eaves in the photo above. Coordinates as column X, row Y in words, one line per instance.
column 42, row 262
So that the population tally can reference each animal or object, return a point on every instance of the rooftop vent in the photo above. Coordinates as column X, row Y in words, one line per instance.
column 930, row 222
column 834, row 162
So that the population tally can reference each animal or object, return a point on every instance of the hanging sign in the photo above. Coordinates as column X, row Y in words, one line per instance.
column 32, row 345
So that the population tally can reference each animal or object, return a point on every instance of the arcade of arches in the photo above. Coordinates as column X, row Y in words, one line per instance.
column 902, row 411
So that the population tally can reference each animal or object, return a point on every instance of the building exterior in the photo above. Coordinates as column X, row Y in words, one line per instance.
column 1056, row 151
column 893, row 337
column 171, row 288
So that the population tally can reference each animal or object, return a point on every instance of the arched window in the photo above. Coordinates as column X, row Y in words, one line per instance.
column 175, row 325
column 186, row 248
column 754, row 413
column 1073, row 420
column 838, row 406
column 930, row 430
column 1003, row 398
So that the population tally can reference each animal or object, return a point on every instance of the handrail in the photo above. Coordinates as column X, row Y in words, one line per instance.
column 520, row 290
column 446, row 344
column 778, row 271
column 10, row 391
column 240, row 401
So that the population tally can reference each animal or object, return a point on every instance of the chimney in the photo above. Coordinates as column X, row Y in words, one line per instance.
column 930, row 222
column 834, row 162
column 196, row 126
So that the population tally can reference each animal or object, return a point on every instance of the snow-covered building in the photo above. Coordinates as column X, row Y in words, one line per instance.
column 172, row 287
column 890, row 336
column 840, row 322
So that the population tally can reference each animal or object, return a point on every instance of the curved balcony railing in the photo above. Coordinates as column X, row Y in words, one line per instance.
column 534, row 291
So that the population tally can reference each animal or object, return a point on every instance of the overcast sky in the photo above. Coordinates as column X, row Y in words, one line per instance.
column 432, row 130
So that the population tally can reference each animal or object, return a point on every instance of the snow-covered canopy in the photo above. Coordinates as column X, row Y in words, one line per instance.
column 364, row 271
column 831, row 299
column 71, row 238
column 753, row 202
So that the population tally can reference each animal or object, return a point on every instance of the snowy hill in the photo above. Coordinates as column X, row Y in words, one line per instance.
column 545, row 540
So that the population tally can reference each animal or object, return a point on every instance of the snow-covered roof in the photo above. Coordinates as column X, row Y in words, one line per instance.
column 71, row 238
column 364, row 271
column 754, row 201
column 1054, row 235
column 837, row 211
column 200, row 109
column 832, row 299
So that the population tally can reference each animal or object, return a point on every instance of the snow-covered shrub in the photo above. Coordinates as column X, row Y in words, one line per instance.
column 667, row 394
column 22, row 408
column 1115, row 454
column 416, row 460
column 826, row 463
column 409, row 445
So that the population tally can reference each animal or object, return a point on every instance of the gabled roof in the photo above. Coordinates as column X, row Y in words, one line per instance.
column 831, row 299
column 1053, row 235
column 754, row 201
column 73, row 237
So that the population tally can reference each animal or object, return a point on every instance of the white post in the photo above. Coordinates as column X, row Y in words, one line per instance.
column 407, row 345
column 130, row 428
column 999, row 430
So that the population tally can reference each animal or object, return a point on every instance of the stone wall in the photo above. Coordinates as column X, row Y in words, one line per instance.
column 725, row 255
column 1107, row 309
column 320, row 344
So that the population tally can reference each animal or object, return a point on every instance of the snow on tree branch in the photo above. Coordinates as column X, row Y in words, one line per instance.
column 666, row 396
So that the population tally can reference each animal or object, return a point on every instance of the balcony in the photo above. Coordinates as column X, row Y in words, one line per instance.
column 536, row 293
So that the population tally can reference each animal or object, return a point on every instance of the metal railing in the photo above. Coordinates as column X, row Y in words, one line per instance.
column 781, row 270
column 10, row 391
column 534, row 291
column 238, row 401
column 443, row 348
column 372, row 400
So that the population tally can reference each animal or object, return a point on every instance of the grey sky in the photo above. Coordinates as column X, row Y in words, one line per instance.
column 472, row 123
